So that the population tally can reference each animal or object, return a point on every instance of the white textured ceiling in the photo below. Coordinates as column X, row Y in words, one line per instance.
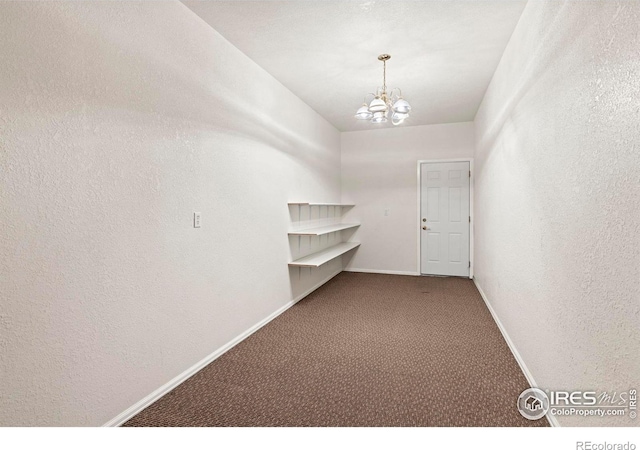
column 443, row 53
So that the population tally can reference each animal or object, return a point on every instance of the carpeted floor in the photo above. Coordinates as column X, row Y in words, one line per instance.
column 363, row 350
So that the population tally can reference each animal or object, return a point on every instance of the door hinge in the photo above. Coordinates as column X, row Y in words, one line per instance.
column 469, row 264
column 469, row 174
column 469, row 219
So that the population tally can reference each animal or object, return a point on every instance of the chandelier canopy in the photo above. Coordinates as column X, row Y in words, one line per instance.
column 384, row 103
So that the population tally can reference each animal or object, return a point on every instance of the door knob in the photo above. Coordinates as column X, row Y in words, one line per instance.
column 425, row 228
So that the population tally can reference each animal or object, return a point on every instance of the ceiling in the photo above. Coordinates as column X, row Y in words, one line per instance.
column 443, row 52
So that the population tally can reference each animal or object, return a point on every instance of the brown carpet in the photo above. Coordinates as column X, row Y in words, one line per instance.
column 363, row 350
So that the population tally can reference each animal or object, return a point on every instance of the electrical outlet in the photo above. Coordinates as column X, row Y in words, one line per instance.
column 386, row 212
column 197, row 220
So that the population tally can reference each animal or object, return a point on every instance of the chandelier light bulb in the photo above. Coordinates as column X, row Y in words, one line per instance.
column 402, row 106
column 377, row 105
column 379, row 117
column 363, row 113
column 398, row 118
column 385, row 102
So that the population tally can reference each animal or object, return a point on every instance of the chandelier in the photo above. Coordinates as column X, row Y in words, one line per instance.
column 384, row 103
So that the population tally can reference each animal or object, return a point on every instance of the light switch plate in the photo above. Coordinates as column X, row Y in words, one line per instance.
column 197, row 220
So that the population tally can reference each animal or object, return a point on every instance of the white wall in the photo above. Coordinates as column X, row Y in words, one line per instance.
column 379, row 172
column 118, row 120
column 557, row 195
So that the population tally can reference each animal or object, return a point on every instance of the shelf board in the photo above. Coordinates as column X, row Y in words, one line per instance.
column 319, row 231
column 323, row 256
column 320, row 204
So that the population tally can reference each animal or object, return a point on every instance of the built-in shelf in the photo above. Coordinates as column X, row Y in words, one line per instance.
column 319, row 204
column 326, row 255
column 319, row 231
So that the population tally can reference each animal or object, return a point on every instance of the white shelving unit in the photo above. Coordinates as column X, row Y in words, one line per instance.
column 320, row 204
column 319, row 231
column 323, row 256
column 326, row 254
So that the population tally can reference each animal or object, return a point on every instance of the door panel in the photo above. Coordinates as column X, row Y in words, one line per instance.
column 433, row 246
column 455, row 198
column 433, row 203
column 455, row 247
column 444, row 203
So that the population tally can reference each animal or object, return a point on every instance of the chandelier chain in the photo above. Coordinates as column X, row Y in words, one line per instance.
column 384, row 75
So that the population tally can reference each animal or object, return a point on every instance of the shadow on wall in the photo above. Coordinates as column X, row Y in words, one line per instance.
column 551, row 46
column 131, row 75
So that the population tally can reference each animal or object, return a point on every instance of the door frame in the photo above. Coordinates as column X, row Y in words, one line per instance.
column 471, row 226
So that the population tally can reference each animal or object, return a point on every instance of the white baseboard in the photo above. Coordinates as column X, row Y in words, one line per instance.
column 384, row 272
column 162, row 390
column 523, row 366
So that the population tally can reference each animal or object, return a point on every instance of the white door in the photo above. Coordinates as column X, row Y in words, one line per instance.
column 444, row 218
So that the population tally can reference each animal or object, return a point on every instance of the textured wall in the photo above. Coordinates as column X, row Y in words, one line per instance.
column 117, row 121
column 557, row 195
column 379, row 172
